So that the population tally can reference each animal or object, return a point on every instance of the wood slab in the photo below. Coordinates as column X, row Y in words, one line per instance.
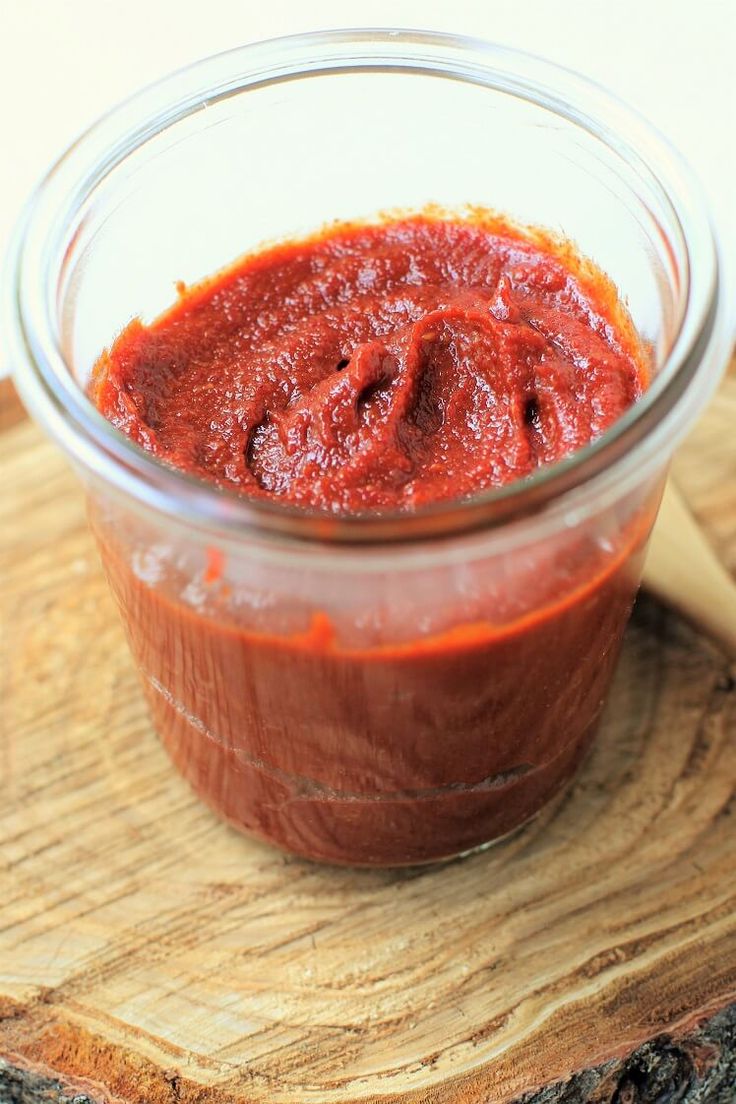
column 149, row 954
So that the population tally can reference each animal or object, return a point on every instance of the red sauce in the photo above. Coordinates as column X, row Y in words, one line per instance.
column 378, row 368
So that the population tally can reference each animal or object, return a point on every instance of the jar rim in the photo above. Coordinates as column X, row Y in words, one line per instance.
column 577, row 483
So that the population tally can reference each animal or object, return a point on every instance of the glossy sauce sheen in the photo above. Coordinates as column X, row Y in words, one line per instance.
column 376, row 368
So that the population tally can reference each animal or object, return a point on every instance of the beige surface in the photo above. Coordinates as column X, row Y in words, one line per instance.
column 146, row 945
column 62, row 64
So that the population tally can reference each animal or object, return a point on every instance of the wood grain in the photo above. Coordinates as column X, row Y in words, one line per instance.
column 149, row 954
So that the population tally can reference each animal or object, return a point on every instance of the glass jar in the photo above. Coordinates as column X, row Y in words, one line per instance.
column 394, row 689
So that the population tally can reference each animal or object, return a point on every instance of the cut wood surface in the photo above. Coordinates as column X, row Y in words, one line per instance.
column 148, row 953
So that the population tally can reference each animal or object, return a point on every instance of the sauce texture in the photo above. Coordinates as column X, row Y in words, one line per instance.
column 375, row 368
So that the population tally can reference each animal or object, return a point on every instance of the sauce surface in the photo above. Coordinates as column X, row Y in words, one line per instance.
column 376, row 367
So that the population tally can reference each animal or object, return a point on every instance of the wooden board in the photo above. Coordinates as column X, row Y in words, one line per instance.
column 148, row 953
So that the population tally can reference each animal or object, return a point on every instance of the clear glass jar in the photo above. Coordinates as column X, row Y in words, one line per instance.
column 368, row 690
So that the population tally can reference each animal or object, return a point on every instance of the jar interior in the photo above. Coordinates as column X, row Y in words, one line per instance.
column 281, row 159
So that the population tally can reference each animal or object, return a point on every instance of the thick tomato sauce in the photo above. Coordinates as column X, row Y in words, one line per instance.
column 375, row 368
column 378, row 367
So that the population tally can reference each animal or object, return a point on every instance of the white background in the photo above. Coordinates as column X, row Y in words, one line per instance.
column 63, row 62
